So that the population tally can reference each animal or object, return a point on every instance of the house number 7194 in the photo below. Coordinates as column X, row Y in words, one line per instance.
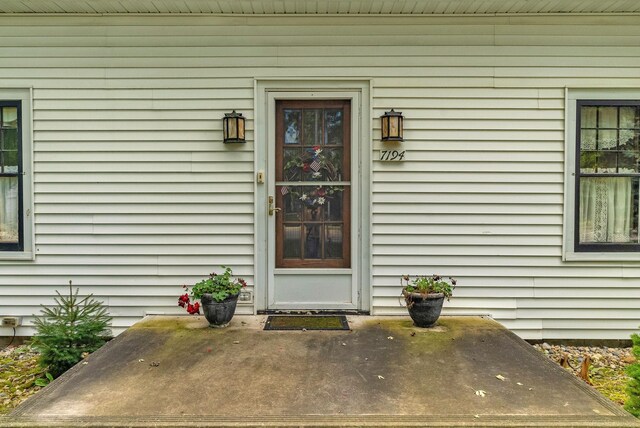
column 392, row 155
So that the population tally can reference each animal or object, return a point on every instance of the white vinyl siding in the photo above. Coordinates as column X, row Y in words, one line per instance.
column 135, row 193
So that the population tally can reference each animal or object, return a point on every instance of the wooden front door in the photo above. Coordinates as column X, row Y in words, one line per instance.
column 313, row 184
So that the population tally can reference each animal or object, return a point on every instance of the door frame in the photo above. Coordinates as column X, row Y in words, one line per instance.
column 267, row 91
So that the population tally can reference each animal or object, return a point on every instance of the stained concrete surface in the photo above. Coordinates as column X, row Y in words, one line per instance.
column 175, row 371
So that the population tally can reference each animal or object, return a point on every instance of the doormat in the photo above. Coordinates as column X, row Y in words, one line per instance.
column 311, row 322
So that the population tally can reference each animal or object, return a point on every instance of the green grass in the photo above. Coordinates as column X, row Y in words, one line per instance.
column 19, row 370
column 610, row 382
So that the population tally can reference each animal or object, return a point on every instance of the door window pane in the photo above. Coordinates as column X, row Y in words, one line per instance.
column 333, row 127
column 312, row 241
column 292, row 120
column 333, row 241
column 9, row 204
column 312, row 127
column 292, row 244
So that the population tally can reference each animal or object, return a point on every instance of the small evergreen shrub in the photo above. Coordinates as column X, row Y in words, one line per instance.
column 71, row 328
column 633, row 387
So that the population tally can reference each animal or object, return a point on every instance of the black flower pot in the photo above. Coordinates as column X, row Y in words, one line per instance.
column 218, row 313
column 424, row 309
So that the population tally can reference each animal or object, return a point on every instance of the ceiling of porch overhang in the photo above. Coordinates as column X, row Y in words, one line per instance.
column 322, row 7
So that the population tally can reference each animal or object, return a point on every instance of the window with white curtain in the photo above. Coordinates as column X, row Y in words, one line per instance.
column 607, row 176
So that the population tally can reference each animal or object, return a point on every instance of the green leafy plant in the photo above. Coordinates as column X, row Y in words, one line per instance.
column 220, row 287
column 44, row 381
column 427, row 285
column 632, row 405
column 68, row 330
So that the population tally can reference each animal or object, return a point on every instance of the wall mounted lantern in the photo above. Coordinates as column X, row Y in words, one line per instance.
column 392, row 124
column 233, row 127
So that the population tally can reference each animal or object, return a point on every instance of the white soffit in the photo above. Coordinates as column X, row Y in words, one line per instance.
column 322, row 7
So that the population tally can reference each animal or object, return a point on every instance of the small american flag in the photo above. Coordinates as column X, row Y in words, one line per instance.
column 315, row 165
column 284, row 190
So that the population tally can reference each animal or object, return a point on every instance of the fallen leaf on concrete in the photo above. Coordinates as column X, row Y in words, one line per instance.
column 476, row 416
column 481, row 393
column 390, row 337
column 344, row 344
column 596, row 410
column 502, row 378
column 236, row 342
column 141, row 360
column 154, row 364
column 84, row 363
column 380, row 377
column 413, row 333
column 530, row 389
column 566, row 404
column 304, row 329
column 519, row 383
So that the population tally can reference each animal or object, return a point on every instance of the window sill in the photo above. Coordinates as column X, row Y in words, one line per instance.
column 16, row 255
column 601, row 257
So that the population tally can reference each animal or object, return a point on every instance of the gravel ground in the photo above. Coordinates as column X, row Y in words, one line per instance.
column 606, row 370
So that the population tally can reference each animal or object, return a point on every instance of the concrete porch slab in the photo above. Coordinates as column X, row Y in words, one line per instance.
column 175, row 371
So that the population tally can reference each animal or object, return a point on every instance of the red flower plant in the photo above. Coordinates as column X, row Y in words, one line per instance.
column 306, row 167
column 220, row 287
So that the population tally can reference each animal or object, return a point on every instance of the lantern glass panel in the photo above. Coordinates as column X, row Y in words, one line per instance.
column 385, row 127
column 232, row 131
column 401, row 127
column 393, row 126
column 241, row 129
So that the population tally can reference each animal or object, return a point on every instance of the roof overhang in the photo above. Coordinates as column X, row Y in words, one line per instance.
column 322, row 7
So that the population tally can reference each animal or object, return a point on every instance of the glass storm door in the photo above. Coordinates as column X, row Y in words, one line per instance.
column 313, row 187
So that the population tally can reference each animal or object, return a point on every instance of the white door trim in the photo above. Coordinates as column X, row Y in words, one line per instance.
column 266, row 92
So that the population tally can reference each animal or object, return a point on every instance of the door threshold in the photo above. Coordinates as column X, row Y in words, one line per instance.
column 312, row 312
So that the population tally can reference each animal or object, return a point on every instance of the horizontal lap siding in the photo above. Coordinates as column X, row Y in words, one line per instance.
column 135, row 193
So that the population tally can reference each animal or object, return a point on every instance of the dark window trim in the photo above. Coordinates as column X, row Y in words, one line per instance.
column 599, row 247
column 19, row 246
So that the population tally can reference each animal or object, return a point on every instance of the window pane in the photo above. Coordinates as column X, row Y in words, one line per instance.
column 292, row 120
column 588, row 139
column 10, row 117
column 312, row 241
column 588, row 162
column 10, row 162
column 629, row 117
column 9, row 139
column 607, row 139
column 292, row 164
column 292, row 247
column 291, row 203
column 9, row 210
column 608, row 210
column 588, row 117
column 333, row 206
column 607, row 162
column 312, row 126
column 628, row 139
column 628, row 162
column 333, row 241
column 608, row 117
column 333, row 124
